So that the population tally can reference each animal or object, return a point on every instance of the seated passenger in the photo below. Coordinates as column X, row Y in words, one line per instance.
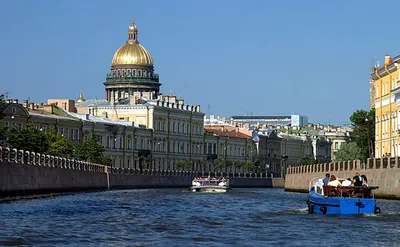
column 347, row 182
column 334, row 182
column 326, row 179
column 357, row 180
column 365, row 180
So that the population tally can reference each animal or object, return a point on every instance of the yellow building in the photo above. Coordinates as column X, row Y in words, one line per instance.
column 386, row 78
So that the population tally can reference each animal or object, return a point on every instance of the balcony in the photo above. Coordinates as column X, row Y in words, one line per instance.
column 144, row 152
column 212, row 156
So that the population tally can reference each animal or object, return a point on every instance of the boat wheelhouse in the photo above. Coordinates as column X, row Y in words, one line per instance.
column 323, row 199
column 207, row 184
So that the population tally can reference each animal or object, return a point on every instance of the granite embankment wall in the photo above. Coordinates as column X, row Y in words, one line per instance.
column 25, row 173
column 384, row 173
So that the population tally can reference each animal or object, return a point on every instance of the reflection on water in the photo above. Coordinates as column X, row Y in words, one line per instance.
column 175, row 217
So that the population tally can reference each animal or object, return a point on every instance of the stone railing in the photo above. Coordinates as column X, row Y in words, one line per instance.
column 379, row 163
column 13, row 155
column 327, row 167
column 133, row 171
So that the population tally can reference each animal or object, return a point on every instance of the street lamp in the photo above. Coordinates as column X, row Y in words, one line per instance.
column 283, row 168
column 367, row 123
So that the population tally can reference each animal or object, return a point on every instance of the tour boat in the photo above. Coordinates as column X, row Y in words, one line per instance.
column 208, row 184
column 324, row 199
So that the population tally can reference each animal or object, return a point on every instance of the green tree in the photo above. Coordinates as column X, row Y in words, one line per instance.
column 348, row 151
column 91, row 150
column 363, row 123
column 28, row 138
column 58, row 144
column 3, row 130
column 249, row 166
column 186, row 165
column 107, row 161
column 237, row 165
column 308, row 161
column 218, row 164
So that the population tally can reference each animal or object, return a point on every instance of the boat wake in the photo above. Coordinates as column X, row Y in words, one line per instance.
column 299, row 211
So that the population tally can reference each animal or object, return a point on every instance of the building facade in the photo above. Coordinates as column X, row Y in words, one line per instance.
column 386, row 79
column 292, row 120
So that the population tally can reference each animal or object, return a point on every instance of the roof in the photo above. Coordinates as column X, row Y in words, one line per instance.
column 261, row 117
column 227, row 133
column 95, row 119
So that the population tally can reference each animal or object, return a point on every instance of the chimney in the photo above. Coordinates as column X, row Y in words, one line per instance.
column 387, row 59
column 9, row 101
column 15, row 101
column 180, row 101
column 25, row 103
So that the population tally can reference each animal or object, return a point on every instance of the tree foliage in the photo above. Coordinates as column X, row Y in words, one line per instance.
column 219, row 164
column 28, row 138
column 53, row 143
column 349, row 151
column 186, row 165
column 308, row 161
column 58, row 144
column 363, row 123
column 91, row 150
column 249, row 165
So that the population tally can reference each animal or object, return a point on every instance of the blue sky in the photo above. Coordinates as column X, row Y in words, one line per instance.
column 254, row 57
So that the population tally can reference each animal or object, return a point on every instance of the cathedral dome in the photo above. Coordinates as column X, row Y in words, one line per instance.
column 132, row 52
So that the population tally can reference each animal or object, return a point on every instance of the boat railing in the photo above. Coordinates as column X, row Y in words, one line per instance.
column 312, row 183
column 210, row 182
column 349, row 191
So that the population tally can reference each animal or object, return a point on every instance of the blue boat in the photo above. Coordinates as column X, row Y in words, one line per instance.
column 347, row 200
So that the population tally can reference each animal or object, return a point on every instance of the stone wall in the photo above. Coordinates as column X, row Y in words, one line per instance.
column 384, row 173
column 25, row 173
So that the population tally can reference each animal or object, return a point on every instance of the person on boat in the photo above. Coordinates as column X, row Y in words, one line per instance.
column 347, row 182
column 357, row 180
column 364, row 180
column 326, row 179
column 334, row 182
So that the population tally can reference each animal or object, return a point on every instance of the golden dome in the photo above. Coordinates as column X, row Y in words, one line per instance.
column 132, row 52
column 80, row 99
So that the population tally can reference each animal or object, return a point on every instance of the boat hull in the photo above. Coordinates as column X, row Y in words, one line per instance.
column 319, row 204
column 209, row 189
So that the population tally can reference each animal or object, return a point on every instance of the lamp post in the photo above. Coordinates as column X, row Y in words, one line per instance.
column 283, row 167
column 367, row 123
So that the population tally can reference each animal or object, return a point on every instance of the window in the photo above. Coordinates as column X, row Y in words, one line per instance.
column 72, row 134
column 121, row 143
column 108, row 142
column 77, row 134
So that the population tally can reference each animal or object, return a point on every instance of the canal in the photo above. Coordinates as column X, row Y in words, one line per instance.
column 175, row 217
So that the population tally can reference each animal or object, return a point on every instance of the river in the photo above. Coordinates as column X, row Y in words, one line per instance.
column 175, row 217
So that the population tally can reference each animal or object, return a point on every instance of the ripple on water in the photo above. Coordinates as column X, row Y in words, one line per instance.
column 171, row 217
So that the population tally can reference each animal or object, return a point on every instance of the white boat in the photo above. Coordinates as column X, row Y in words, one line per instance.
column 211, row 185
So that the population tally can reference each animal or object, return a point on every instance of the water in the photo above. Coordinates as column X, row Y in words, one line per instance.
column 174, row 217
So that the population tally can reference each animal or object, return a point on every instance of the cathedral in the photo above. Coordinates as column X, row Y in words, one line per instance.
column 132, row 94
